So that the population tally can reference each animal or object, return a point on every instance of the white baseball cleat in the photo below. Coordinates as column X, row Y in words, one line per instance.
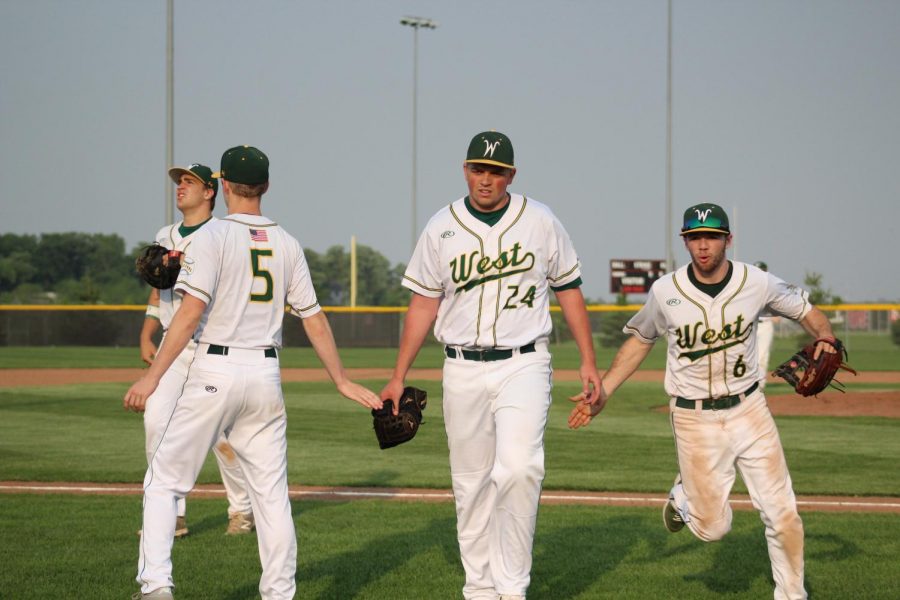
column 240, row 523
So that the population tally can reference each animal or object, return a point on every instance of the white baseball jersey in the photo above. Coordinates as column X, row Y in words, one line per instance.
column 170, row 237
column 494, row 281
column 269, row 270
column 712, row 341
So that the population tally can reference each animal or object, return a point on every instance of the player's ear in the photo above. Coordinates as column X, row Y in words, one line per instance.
column 512, row 173
column 728, row 239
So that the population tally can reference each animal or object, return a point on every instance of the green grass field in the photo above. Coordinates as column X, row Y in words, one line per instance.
column 868, row 352
column 69, row 547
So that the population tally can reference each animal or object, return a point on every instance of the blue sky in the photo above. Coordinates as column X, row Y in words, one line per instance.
column 785, row 113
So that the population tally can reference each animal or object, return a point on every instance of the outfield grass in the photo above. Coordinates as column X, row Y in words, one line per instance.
column 69, row 547
column 868, row 352
column 81, row 433
column 85, row 547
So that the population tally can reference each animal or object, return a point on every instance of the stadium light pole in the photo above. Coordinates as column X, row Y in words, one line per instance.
column 416, row 23
column 170, row 111
column 670, row 255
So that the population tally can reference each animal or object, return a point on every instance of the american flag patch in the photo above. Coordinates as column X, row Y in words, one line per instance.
column 259, row 235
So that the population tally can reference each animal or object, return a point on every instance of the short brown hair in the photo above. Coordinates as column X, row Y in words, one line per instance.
column 247, row 190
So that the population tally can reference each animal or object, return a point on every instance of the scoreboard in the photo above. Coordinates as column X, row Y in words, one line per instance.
column 634, row 276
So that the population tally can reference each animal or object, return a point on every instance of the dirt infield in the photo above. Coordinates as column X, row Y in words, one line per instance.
column 875, row 403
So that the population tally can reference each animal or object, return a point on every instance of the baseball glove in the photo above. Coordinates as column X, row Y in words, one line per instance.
column 808, row 375
column 392, row 430
column 158, row 266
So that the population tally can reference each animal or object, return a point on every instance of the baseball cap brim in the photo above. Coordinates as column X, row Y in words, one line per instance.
column 706, row 229
column 175, row 174
column 491, row 162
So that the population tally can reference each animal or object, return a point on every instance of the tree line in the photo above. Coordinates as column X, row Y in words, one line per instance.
column 96, row 268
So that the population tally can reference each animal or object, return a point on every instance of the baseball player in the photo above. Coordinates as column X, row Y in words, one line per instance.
column 241, row 273
column 195, row 198
column 483, row 268
column 707, row 312
column 765, row 334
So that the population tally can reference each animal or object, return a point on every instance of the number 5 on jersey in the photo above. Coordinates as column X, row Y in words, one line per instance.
column 261, row 273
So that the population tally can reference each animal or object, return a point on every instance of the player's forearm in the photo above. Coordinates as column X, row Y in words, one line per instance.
column 575, row 312
column 816, row 324
column 319, row 333
column 421, row 314
column 627, row 360
column 151, row 321
column 150, row 327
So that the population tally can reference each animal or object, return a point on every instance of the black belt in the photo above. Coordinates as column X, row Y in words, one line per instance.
column 223, row 350
column 487, row 354
column 717, row 403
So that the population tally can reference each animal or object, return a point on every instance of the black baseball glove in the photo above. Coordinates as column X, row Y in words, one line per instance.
column 159, row 266
column 808, row 375
column 392, row 430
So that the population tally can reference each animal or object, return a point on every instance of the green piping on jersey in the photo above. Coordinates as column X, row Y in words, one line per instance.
column 305, row 308
column 481, row 293
column 501, row 274
column 749, row 329
column 198, row 290
column 420, row 284
column 566, row 274
column 254, row 225
column 705, row 324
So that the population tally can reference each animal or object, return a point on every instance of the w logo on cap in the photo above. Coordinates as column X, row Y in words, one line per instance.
column 702, row 214
column 489, row 147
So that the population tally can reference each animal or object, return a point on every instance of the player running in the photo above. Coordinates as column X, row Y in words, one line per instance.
column 707, row 311
column 484, row 267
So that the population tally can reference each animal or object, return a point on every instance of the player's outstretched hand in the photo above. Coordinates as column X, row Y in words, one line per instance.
column 393, row 391
column 824, row 345
column 584, row 412
column 136, row 396
column 360, row 394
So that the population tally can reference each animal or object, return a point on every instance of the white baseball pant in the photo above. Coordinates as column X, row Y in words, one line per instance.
column 709, row 444
column 156, row 418
column 238, row 395
column 495, row 414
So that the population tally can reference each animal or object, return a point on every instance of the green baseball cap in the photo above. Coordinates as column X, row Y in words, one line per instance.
column 244, row 164
column 201, row 172
column 491, row 148
column 705, row 217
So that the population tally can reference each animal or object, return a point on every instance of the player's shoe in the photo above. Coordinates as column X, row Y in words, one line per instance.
column 671, row 518
column 240, row 523
column 158, row 594
column 181, row 529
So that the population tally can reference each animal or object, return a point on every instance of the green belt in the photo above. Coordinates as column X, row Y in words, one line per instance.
column 223, row 350
column 487, row 354
column 717, row 403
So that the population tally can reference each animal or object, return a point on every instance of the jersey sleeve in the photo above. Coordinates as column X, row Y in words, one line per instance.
column 422, row 275
column 301, row 296
column 786, row 299
column 649, row 322
column 563, row 268
column 199, row 269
